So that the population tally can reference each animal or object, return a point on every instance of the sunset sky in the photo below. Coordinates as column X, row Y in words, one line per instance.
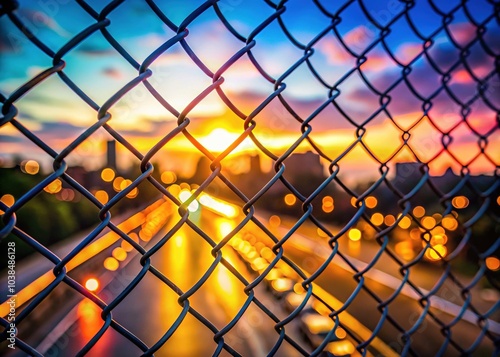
column 58, row 115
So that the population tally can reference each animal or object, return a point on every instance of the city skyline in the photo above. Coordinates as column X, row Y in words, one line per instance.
column 56, row 114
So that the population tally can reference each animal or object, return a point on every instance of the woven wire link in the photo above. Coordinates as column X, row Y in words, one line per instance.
column 404, row 202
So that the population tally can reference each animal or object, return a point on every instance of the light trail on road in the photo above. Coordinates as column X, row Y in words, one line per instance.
column 94, row 248
column 152, row 308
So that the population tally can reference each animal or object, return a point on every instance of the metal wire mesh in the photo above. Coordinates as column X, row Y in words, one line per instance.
column 405, row 194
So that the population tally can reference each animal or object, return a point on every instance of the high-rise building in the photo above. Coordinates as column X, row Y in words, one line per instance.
column 304, row 164
column 407, row 172
column 111, row 154
column 255, row 166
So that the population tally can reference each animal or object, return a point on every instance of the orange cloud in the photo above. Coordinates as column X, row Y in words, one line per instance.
column 408, row 51
column 334, row 52
column 376, row 62
column 462, row 76
column 359, row 38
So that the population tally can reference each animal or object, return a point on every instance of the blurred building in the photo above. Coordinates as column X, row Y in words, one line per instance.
column 255, row 166
column 202, row 171
column 79, row 174
column 304, row 171
column 88, row 179
column 405, row 170
column 111, row 154
column 302, row 165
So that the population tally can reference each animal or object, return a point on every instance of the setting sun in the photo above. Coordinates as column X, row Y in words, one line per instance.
column 218, row 140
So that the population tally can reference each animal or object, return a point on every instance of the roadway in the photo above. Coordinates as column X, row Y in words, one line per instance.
column 152, row 307
column 310, row 251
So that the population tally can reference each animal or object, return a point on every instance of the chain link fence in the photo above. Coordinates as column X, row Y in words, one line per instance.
column 426, row 234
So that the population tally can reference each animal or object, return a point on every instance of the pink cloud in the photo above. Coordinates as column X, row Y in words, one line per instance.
column 462, row 76
column 482, row 123
column 334, row 52
column 462, row 32
column 408, row 51
column 482, row 70
column 113, row 73
column 359, row 38
column 376, row 61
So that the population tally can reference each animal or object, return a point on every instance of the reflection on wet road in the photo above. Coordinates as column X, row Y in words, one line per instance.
column 153, row 307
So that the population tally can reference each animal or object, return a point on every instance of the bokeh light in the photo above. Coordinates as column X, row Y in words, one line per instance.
column 134, row 237
column 133, row 193
column 92, row 284
column 428, row 222
column 111, row 264
column 30, row 167
column 450, row 223
column 405, row 222
column 54, row 187
column 107, row 174
column 405, row 250
column 186, row 195
column 117, row 182
column 354, row 234
column 327, row 204
column 371, row 202
column 124, row 184
column 274, row 221
column 290, row 199
column 119, row 254
column 102, row 196
column 340, row 333
column 8, row 199
column 415, row 234
column 389, row 220
column 460, row 202
column 439, row 239
column 436, row 252
column 493, row 263
column 168, row 177
column 419, row 211
column 66, row 194
column 126, row 246
column 377, row 219
column 174, row 189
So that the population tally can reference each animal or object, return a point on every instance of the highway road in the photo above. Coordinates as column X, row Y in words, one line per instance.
column 152, row 307
column 309, row 251
column 426, row 340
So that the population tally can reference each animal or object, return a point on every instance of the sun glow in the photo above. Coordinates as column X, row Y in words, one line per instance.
column 218, row 140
